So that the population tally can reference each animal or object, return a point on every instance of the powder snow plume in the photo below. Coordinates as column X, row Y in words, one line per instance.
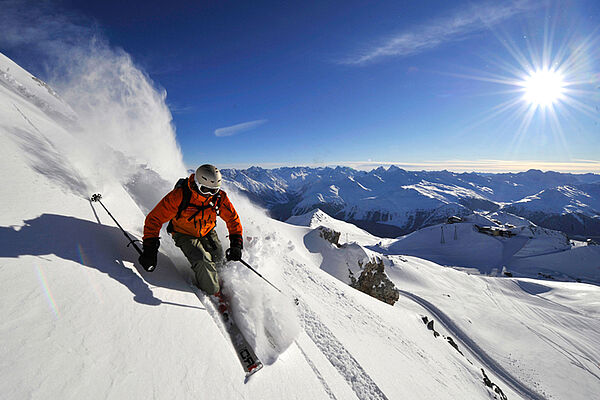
column 268, row 317
column 119, row 106
column 121, row 129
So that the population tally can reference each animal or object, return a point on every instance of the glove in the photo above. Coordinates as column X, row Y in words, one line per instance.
column 234, row 253
column 149, row 256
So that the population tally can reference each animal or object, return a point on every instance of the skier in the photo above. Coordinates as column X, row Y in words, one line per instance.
column 192, row 208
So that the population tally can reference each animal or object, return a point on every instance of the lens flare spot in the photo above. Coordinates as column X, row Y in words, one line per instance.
column 47, row 291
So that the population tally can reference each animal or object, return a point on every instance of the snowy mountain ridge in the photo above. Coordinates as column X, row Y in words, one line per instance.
column 392, row 202
column 20, row 82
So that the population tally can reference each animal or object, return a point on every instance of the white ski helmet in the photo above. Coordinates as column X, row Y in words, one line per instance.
column 208, row 179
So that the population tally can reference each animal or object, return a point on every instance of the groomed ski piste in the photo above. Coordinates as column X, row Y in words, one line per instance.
column 81, row 319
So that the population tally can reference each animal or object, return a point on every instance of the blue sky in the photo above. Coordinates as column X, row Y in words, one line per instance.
column 363, row 83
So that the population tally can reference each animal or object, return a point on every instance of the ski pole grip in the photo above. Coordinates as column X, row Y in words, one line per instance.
column 96, row 198
column 135, row 246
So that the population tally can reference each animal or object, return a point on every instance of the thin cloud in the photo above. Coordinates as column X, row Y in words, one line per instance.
column 45, row 27
column 180, row 109
column 235, row 129
column 437, row 32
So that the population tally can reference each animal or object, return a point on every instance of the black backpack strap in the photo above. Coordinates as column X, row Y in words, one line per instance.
column 198, row 209
column 214, row 204
column 187, row 195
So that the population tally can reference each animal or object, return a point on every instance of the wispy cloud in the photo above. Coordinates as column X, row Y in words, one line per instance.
column 176, row 108
column 44, row 27
column 235, row 129
column 439, row 31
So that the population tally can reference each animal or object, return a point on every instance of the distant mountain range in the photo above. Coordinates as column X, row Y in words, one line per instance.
column 392, row 202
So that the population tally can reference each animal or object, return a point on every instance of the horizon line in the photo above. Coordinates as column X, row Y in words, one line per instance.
column 458, row 166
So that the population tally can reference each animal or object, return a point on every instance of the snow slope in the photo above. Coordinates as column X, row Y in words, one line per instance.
column 532, row 251
column 540, row 336
column 572, row 209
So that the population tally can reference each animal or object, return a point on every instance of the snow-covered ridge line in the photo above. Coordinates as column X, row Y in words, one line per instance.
column 34, row 90
column 392, row 202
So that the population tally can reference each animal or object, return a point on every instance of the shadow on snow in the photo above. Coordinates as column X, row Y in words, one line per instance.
column 95, row 246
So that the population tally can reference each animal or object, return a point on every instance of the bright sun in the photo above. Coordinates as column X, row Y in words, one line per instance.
column 543, row 88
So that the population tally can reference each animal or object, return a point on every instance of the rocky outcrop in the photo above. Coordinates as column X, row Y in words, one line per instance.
column 374, row 282
column 330, row 235
column 487, row 382
column 497, row 392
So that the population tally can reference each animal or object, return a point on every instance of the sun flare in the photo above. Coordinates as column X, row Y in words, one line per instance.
column 551, row 88
column 543, row 88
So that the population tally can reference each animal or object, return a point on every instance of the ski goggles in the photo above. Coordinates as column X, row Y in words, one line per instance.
column 208, row 190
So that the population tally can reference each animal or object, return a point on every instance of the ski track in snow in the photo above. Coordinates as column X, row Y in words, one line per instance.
column 574, row 358
column 474, row 348
column 339, row 357
column 317, row 373
column 342, row 360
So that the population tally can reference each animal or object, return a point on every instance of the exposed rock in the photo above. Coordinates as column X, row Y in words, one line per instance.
column 493, row 386
column 430, row 326
column 498, row 394
column 330, row 235
column 453, row 344
column 374, row 282
column 545, row 276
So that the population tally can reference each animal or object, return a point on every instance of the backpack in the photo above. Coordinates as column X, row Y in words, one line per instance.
column 215, row 203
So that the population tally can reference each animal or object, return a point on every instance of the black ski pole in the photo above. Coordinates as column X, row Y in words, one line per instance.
column 296, row 301
column 96, row 198
column 257, row 273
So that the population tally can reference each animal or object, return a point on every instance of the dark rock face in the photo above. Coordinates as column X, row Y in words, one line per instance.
column 498, row 394
column 487, row 382
column 330, row 235
column 452, row 343
column 374, row 282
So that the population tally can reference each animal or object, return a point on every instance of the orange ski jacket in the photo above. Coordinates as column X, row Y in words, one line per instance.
column 198, row 225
